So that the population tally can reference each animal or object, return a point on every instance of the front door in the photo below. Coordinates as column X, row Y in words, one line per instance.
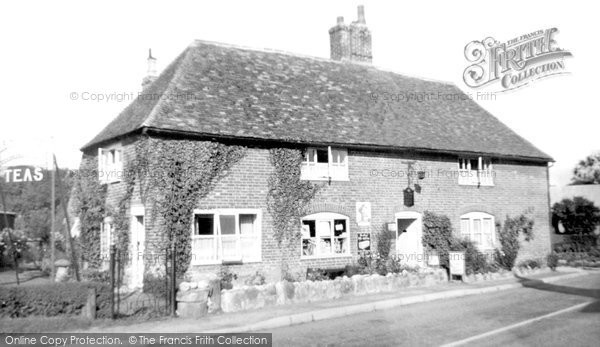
column 138, row 239
column 409, row 233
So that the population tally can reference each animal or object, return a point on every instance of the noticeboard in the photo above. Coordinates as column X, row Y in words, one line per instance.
column 364, row 242
column 457, row 263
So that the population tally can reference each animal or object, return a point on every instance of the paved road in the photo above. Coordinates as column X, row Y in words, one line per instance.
column 455, row 320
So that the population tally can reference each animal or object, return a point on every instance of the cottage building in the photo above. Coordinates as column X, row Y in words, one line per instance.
column 383, row 147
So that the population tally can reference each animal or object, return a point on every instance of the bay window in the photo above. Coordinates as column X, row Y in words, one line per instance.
column 324, row 164
column 226, row 235
column 479, row 228
column 325, row 235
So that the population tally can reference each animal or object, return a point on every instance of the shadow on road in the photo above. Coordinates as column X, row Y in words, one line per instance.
column 593, row 307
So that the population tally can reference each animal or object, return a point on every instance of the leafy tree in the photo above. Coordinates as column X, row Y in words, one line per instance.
column 578, row 215
column 587, row 171
column 437, row 235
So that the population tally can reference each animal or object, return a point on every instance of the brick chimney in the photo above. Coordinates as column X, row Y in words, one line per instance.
column 151, row 74
column 351, row 42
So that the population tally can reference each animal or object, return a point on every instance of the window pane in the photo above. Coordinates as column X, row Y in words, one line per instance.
column 339, row 228
column 340, row 245
column 322, row 156
column 247, row 224
column 324, row 228
column 308, row 228
column 464, row 227
column 308, row 247
column 227, row 224
column 474, row 164
column 204, row 224
column 324, row 245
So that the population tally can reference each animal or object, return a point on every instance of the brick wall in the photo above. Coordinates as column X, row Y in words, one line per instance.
column 378, row 178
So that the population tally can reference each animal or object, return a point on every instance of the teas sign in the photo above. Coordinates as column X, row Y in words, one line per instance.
column 18, row 174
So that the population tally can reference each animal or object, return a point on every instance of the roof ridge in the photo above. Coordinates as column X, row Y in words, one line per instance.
column 196, row 42
column 153, row 113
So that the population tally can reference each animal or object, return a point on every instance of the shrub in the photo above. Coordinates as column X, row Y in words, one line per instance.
column 316, row 275
column 437, row 235
column 509, row 239
column 475, row 261
column 552, row 261
column 52, row 299
column 227, row 277
column 255, row 280
column 384, row 243
column 156, row 285
column 531, row 263
column 93, row 275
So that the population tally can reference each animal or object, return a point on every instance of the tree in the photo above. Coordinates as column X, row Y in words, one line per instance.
column 578, row 215
column 587, row 171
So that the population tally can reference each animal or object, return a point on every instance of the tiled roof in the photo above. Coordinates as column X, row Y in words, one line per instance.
column 219, row 90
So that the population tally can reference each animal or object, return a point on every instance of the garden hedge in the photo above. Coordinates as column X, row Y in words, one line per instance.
column 52, row 299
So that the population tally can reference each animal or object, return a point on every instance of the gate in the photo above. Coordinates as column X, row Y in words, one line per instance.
column 158, row 297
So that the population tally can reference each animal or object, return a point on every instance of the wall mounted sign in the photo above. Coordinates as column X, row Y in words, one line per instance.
column 364, row 242
column 409, row 197
column 363, row 213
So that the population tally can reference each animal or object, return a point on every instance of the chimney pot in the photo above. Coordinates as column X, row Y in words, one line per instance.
column 361, row 14
column 340, row 20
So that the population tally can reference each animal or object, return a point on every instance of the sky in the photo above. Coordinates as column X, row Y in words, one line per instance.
column 54, row 50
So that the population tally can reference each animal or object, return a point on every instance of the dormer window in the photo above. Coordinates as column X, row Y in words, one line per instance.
column 110, row 165
column 325, row 164
column 475, row 172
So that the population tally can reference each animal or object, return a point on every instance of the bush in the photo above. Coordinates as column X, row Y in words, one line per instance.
column 257, row 279
column 227, row 277
column 384, row 243
column 509, row 239
column 475, row 261
column 552, row 261
column 93, row 275
column 316, row 275
column 52, row 299
column 437, row 235
column 156, row 285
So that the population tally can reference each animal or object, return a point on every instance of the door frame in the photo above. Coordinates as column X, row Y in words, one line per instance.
column 137, row 260
column 418, row 257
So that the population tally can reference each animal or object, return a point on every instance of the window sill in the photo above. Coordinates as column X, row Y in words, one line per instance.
column 325, row 179
column 326, row 256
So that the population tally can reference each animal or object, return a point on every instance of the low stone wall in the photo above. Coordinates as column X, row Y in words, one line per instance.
column 201, row 296
column 281, row 293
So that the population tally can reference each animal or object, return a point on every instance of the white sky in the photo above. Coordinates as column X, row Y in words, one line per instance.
column 51, row 49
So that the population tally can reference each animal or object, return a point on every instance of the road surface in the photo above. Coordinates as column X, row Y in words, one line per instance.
column 557, row 314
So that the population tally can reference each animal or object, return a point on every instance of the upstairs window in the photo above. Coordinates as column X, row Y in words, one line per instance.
column 475, row 172
column 110, row 165
column 325, row 164
column 478, row 227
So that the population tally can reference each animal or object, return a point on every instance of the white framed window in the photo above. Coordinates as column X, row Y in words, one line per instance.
column 324, row 164
column 325, row 235
column 110, row 165
column 479, row 228
column 226, row 235
column 475, row 172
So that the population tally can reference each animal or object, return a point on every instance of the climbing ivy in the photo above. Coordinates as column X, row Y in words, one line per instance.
column 288, row 196
column 89, row 198
column 172, row 176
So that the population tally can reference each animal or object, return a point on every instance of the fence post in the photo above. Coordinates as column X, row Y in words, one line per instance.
column 91, row 304
column 112, row 281
column 173, row 280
